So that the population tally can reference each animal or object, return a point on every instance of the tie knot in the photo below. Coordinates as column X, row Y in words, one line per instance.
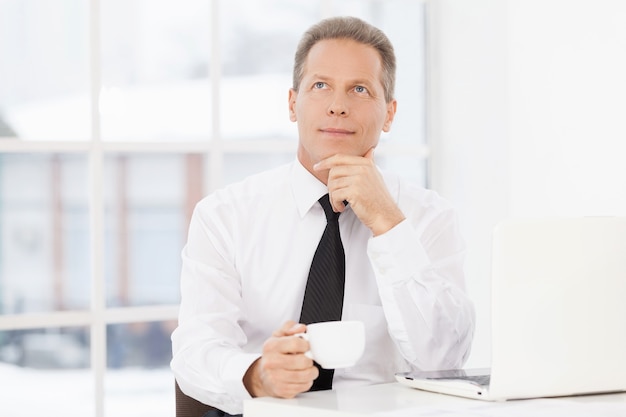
column 328, row 209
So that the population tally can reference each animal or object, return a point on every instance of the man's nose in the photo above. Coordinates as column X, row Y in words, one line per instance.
column 338, row 106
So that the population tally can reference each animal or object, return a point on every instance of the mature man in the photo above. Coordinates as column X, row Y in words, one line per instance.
column 247, row 260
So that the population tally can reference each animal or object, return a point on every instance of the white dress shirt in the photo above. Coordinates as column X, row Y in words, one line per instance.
column 245, row 267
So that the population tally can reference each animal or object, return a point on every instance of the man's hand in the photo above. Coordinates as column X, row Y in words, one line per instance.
column 283, row 370
column 356, row 179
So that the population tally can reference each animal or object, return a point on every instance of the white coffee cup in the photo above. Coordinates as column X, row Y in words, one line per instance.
column 335, row 344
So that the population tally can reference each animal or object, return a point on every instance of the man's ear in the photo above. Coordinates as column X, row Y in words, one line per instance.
column 293, row 94
column 391, row 113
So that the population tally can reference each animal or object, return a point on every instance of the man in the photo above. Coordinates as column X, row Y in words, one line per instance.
column 250, row 245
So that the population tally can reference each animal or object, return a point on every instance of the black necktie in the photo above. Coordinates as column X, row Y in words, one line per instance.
column 323, row 296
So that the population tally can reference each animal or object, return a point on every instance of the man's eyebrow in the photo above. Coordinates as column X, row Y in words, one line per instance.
column 364, row 81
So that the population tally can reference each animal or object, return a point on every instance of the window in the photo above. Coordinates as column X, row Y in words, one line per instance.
column 116, row 117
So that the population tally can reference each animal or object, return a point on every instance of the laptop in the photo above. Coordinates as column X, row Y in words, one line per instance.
column 558, row 310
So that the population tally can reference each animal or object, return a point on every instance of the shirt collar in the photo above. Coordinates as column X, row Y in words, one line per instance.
column 306, row 188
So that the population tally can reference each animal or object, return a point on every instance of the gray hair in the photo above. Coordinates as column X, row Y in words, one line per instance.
column 355, row 29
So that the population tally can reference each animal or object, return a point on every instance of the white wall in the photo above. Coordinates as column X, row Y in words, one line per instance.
column 567, row 63
column 528, row 101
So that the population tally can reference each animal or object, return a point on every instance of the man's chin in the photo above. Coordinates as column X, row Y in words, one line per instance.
column 348, row 152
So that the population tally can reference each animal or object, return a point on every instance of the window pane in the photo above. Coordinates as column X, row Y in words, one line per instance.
column 148, row 200
column 404, row 23
column 44, row 70
column 140, row 345
column 258, row 43
column 139, row 381
column 155, row 57
column 44, row 233
column 240, row 165
column 42, row 368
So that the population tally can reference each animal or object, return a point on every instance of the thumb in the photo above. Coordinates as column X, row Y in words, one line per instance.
column 289, row 328
column 369, row 154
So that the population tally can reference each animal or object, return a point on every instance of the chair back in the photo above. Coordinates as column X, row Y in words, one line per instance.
column 187, row 406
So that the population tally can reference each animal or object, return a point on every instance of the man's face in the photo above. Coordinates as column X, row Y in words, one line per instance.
column 340, row 104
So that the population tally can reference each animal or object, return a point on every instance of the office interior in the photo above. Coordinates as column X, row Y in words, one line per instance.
column 117, row 116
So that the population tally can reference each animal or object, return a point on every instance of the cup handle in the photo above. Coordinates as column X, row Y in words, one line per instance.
column 304, row 336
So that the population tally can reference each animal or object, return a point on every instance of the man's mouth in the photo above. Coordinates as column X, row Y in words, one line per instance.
column 336, row 131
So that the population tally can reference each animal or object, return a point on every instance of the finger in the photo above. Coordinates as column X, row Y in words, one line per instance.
column 337, row 160
column 290, row 390
column 323, row 165
column 295, row 328
column 286, row 384
column 297, row 362
column 284, row 345
column 292, row 376
column 360, row 172
column 347, row 176
column 288, row 328
column 344, row 184
column 338, row 200
column 303, row 376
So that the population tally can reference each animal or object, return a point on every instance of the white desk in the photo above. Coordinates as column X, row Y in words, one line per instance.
column 397, row 400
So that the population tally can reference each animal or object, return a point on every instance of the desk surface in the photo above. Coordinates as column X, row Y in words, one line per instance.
column 394, row 399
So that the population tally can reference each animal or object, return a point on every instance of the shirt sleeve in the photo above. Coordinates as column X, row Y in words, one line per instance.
column 208, row 359
column 419, row 271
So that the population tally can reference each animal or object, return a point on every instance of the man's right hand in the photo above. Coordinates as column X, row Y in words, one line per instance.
column 283, row 370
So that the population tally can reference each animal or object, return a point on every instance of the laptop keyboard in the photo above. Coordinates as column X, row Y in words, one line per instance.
column 482, row 380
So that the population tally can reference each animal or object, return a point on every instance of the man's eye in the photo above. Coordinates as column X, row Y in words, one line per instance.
column 319, row 84
column 360, row 89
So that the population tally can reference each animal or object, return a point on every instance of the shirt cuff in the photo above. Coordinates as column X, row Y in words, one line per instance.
column 397, row 254
column 234, row 370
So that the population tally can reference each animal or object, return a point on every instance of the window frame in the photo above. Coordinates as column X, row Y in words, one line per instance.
column 213, row 148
